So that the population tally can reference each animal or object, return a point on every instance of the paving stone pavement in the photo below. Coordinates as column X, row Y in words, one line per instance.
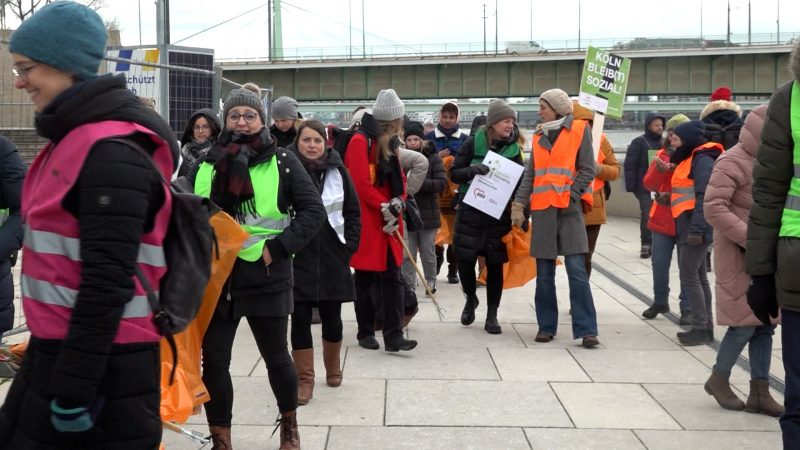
column 462, row 388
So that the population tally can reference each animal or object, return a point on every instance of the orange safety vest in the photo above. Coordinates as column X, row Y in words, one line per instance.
column 555, row 169
column 597, row 184
column 683, row 195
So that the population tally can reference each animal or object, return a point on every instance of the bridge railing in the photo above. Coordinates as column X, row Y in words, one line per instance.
column 539, row 47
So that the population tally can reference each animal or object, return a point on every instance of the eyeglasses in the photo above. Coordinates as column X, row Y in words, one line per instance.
column 249, row 117
column 206, row 127
column 22, row 72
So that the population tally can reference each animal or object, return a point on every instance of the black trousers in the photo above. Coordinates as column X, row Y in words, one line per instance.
column 494, row 279
column 452, row 259
column 330, row 312
column 592, row 233
column 270, row 334
column 6, row 298
column 389, row 285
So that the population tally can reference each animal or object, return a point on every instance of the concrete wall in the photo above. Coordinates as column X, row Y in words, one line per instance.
column 621, row 203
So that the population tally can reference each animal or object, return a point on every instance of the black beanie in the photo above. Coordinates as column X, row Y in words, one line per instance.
column 691, row 132
column 414, row 129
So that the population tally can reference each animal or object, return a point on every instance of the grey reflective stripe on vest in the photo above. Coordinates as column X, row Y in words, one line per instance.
column 56, row 244
column 797, row 170
column 334, row 207
column 553, row 171
column 253, row 240
column 550, row 187
column 266, row 222
column 51, row 294
column 792, row 202
column 689, row 190
column 678, row 200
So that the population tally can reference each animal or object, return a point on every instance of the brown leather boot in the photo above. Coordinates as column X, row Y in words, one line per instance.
column 333, row 368
column 220, row 437
column 760, row 400
column 304, row 362
column 290, row 436
column 719, row 387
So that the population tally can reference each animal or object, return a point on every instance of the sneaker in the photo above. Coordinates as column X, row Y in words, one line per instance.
column 654, row 310
column 686, row 317
column 590, row 341
column 400, row 344
column 646, row 251
column 369, row 343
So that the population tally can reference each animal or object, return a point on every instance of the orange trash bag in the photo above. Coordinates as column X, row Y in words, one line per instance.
column 521, row 266
column 187, row 392
column 444, row 236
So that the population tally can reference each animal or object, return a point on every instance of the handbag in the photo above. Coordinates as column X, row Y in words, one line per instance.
column 412, row 216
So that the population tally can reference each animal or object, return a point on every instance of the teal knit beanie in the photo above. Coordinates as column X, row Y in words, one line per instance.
column 65, row 35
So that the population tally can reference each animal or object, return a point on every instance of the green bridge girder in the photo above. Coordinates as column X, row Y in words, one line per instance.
column 747, row 71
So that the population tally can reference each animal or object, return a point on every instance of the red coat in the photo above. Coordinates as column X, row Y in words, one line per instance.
column 661, row 220
column 372, row 249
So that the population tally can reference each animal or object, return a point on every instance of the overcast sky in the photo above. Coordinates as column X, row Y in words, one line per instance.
column 325, row 23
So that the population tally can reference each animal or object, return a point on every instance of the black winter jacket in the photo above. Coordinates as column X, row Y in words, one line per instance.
column 322, row 267
column 252, row 288
column 636, row 158
column 477, row 233
column 427, row 197
column 283, row 139
column 87, row 366
column 12, row 174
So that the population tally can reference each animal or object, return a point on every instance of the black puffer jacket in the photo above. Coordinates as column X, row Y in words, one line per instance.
column 637, row 157
column 86, row 366
column 256, row 290
column 768, row 253
column 12, row 174
column 283, row 139
column 477, row 233
column 322, row 267
column 435, row 182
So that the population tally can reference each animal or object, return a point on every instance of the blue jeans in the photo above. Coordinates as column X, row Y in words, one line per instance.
column 584, row 316
column 790, row 339
column 663, row 246
column 760, row 350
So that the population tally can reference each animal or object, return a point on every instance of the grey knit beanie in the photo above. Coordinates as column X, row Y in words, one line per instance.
column 499, row 110
column 284, row 108
column 558, row 100
column 65, row 35
column 243, row 97
column 388, row 106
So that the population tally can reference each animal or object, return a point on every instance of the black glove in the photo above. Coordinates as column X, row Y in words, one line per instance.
column 762, row 298
column 478, row 169
column 396, row 206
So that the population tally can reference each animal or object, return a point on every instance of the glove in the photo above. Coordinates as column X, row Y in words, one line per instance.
column 762, row 298
column 478, row 169
column 387, row 213
column 586, row 206
column 72, row 418
column 391, row 226
column 518, row 214
column 396, row 206
column 694, row 239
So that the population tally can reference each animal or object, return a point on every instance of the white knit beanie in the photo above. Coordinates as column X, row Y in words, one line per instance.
column 558, row 100
column 388, row 106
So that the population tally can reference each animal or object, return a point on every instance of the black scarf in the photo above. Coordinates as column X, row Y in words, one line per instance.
column 447, row 131
column 389, row 170
column 232, row 188
column 314, row 166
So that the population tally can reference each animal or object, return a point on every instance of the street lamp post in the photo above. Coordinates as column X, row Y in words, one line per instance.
column 579, row 24
column 484, row 28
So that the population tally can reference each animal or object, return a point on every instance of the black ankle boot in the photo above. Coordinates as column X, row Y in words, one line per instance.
column 694, row 337
column 468, row 315
column 492, row 326
column 654, row 310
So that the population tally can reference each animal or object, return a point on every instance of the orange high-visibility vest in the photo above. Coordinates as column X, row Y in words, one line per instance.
column 683, row 195
column 555, row 169
column 597, row 184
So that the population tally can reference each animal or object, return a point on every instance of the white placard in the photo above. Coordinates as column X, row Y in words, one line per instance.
column 593, row 102
column 490, row 193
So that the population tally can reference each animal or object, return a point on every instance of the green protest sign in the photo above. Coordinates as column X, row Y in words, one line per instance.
column 603, row 82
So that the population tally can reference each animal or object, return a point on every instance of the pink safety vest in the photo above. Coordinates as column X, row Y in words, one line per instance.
column 51, row 263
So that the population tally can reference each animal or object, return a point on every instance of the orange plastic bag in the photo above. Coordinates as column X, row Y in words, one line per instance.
column 521, row 266
column 445, row 234
column 187, row 392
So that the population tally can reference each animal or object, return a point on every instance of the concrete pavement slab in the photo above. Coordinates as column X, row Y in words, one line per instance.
column 695, row 410
column 633, row 336
column 429, row 438
column 642, row 366
column 355, row 403
column 709, row 440
column 537, row 365
column 253, row 437
column 455, row 336
column 253, row 403
column 427, row 361
column 609, row 405
column 473, row 403
column 581, row 439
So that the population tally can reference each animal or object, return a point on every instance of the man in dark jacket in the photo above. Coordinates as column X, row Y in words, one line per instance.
column 773, row 241
column 637, row 159
column 12, row 173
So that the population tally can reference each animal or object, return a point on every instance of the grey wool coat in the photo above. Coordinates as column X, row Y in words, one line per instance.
column 560, row 231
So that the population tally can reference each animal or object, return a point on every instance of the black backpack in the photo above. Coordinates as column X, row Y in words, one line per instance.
column 188, row 251
column 727, row 135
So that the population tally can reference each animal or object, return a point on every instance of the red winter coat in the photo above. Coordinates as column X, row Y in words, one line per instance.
column 372, row 249
column 661, row 220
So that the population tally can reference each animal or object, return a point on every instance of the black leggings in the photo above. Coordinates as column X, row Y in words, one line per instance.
column 331, row 314
column 494, row 279
column 270, row 334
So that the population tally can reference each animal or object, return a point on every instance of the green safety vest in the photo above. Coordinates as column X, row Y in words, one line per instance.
column 270, row 221
column 790, row 221
column 480, row 148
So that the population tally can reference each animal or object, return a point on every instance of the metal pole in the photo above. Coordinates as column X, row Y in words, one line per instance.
column 162, row 36
column 484, row 28
column 269, row 28
column 701, row 20
column 350, row 29
column 167, row 39
column 579, row 24
column 729, row 22
column 363, row 32
column 778, row 22
column 749, row 25
column 531, row 38
column 140, row 22
column 495, row 25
